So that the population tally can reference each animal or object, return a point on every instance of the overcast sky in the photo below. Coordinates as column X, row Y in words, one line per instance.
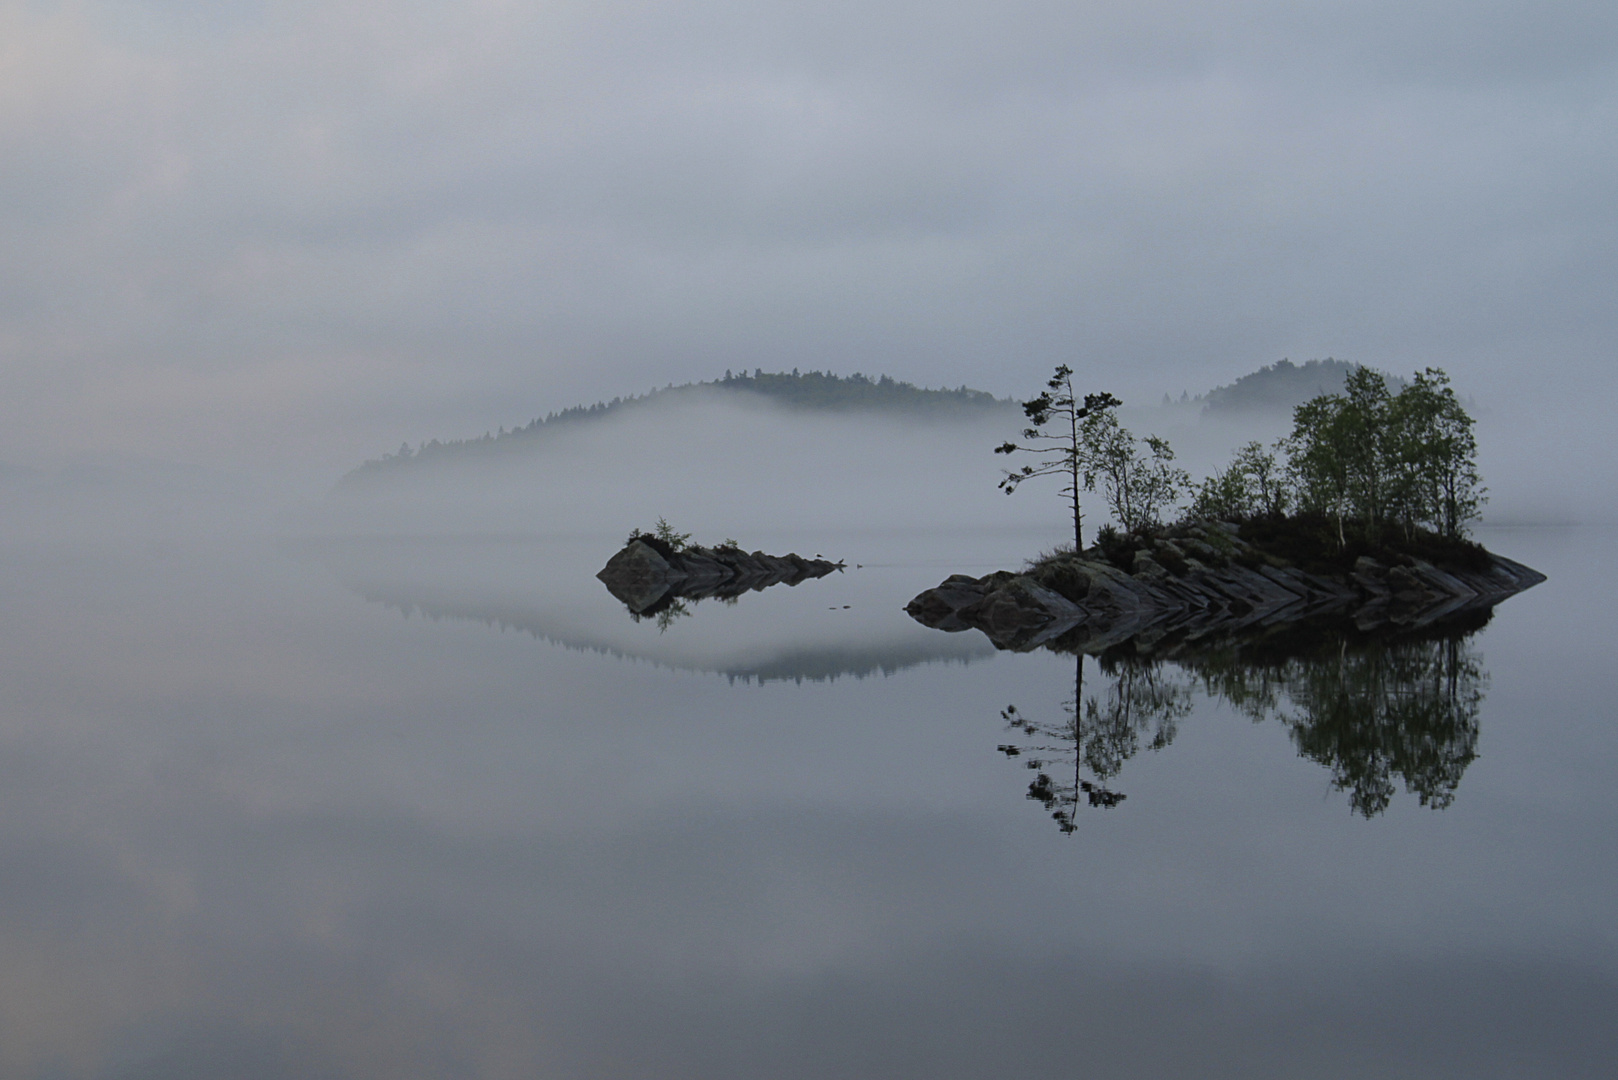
column 239, row 231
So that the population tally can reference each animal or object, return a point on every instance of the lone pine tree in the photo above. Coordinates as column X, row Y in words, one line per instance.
column 1056, row 435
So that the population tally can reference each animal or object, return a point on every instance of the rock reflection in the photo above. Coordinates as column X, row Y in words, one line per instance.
column 1376, row 710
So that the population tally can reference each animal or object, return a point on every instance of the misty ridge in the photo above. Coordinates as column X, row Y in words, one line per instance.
column 798, row 454
column 813, row 391
column 788, row 455
column 717, row 461
column 1277, row 388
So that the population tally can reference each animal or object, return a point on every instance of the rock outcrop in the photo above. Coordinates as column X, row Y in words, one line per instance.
column 648, row 574
column 1219, row 584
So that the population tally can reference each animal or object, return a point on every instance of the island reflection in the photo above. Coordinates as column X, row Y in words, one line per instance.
column 1376, row 709
column 493, row 583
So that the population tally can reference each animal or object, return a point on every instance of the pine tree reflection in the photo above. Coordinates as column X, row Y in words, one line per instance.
column 1099, row 734
column 1376, row 711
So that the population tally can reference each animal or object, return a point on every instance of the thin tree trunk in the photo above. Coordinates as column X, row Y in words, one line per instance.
column 1078, row 731
column 1073, row 447
column 1078, row 538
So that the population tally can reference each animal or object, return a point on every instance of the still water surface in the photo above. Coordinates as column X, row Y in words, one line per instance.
column 419, row 807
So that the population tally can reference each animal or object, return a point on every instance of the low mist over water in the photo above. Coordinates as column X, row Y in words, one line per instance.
column 754, row 466
column 387, row 784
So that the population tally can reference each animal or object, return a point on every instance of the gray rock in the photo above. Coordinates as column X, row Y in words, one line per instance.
column 1019, row 612
column 1091, row 605
column 649, row 574
column 639, row 576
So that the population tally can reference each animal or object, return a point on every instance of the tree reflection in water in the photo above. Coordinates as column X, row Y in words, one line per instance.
column 1374, row 710
column 1099, row 734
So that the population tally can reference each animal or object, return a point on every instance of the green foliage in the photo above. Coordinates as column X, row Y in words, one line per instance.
column 1317, row 472
column 1362, row 459
column 1114, row 545
column 1433, row 474
column 666, row 540
column 1373, row 457
column 1139, row 488
column 1082, row 442
column 1224, row 496
column 1364, row 435
column 1251, row 486
column 676, row 540
column 1338, row 450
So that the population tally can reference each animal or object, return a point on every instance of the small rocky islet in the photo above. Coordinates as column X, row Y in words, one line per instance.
column 649, row 573
column 1210, row 580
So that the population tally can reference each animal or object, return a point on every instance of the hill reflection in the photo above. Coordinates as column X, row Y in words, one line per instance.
column 548, row 591
column 1378, row 711
column 788, row 663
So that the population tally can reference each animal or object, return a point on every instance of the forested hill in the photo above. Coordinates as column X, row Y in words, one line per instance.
column 814, row 390
column 1278, row 388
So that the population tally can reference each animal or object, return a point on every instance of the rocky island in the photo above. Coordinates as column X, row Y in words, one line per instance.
column 651, row 573
column 1214, row 578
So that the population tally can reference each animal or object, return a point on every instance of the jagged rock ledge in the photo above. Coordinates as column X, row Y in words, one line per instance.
column 1220, row 584
column 649, row 574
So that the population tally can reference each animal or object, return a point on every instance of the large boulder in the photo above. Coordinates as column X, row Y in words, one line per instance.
column 639, row 576
column 1021, row 613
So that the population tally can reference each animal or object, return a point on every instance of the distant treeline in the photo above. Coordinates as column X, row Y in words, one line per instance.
column 813, row 390
column 823, row 390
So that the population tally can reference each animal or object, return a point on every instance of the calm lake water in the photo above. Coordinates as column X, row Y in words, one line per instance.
column 420, row 807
